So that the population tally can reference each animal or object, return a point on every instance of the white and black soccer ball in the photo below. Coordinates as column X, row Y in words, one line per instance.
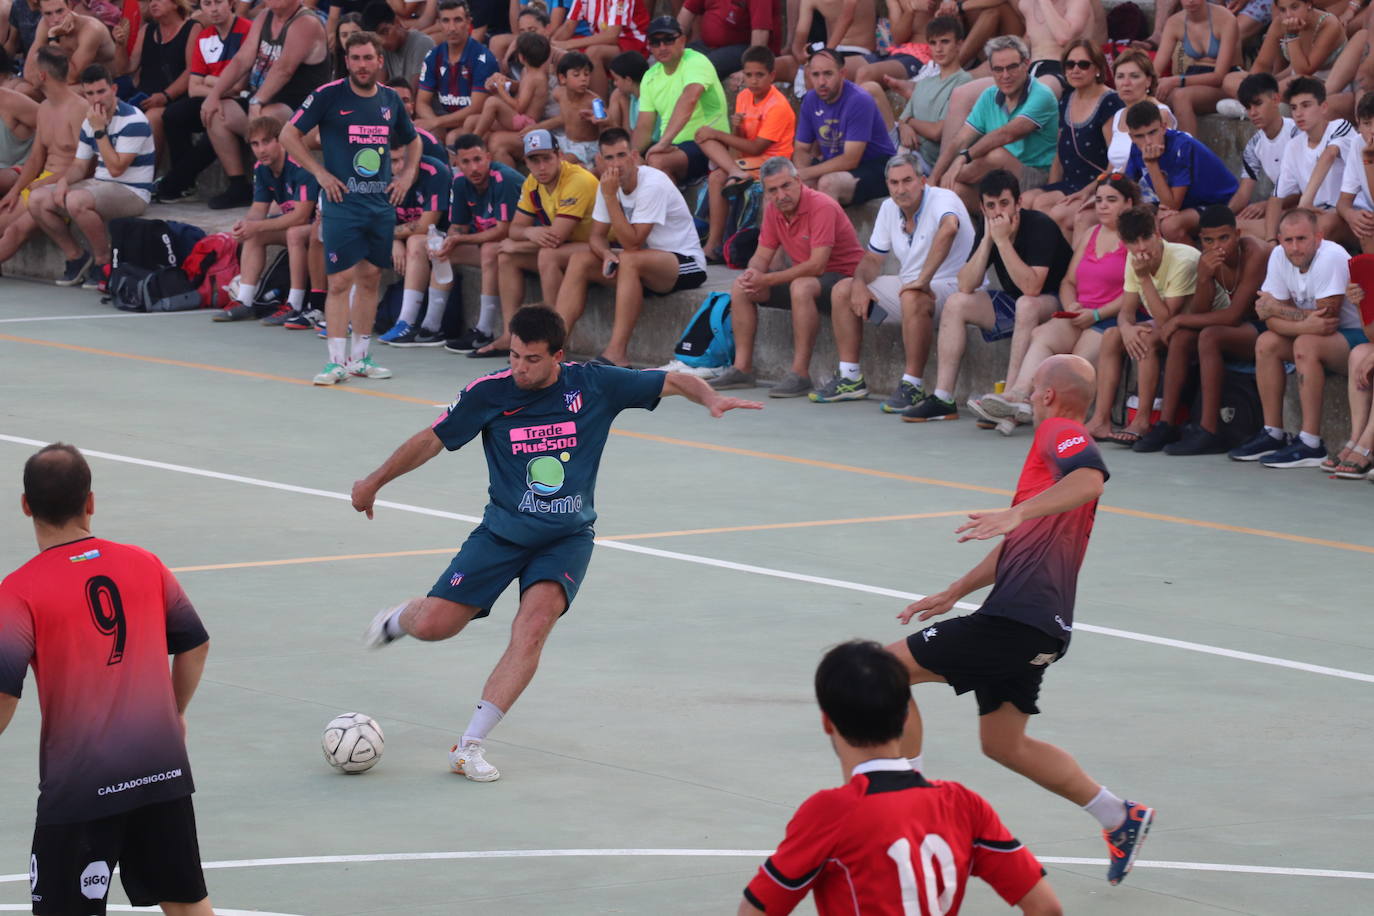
column 353, row 742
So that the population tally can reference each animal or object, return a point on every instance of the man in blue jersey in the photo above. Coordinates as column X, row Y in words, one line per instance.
column 543, row 424
column 424, row 207
column 454, row 76
column 359, row 121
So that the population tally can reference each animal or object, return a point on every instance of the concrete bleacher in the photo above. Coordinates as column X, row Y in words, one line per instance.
column 664, row 317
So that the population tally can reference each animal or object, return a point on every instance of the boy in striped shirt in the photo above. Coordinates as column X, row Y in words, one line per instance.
column 118, row 138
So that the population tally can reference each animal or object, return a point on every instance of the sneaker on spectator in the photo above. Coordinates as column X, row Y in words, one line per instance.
column 1259, row 445
column 400, row 335
column 999, row 407
column 930, row 409
column 840, row 388
column 278, row 318
column 1297, row 454
column 732, row 379
column 1156, row 437
column 1005, row 427
column 303, row 320
column 985, row 420
column 427, row 338
column 98, row 278
column 238, row 194
column 236, row 312
column 1196, row 441
column 167, row 192
column 906, row 395
column 469, row 340
column 76, row 269
column 332, row 374
column 792, row 386
column 1231, row 108
column 366, row 368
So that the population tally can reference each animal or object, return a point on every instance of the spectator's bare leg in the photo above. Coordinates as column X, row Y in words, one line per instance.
column 252, row 255
column 879, row 95
column 806, row 322
column 1315, row 355
column 226, row 136
column 504, row 146
column 1003, row 19
column 1214, row 344
column 961, row 104
column 960, row 309
column 1108, row 380
column 1057, row 335
column 601, row 56
column 159, row 134
column 673, row 162
column 839, row 185
column 1191, row 101
column 918, row 327
column 552, row 263
column 1182, row 347
column 1004, row 740
column 723, row 157
column 874, row 73
column 1031, row 312
column 513, row 260
column 744, row 317
column 1147, row 384
column 571, row 300
column 718, row 208
column 1248, row 28
column 17, row 234
column 81, row 207
column 847, row 326
column 656, row 270
column 1270, row 352
column 53, row 221
column 1089, row 346
column 1361, row 399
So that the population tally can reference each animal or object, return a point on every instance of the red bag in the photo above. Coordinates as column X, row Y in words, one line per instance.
column 212, row 263
column 1362, row 275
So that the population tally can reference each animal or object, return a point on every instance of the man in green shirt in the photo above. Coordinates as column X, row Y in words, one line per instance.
column 682, row 89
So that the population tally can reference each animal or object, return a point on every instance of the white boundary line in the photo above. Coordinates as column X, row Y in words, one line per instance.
column 1185, row 645
column 708, row 853
column 98, row 316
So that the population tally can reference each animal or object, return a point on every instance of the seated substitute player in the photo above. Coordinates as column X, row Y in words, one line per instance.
column 277, row 179
column 425, row 204
column 544, row 424
column 888, row 836
column 1001, row 651
column 1175, row 171
column 97, row 620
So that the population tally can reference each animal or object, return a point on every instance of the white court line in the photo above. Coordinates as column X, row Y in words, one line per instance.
column 731, row 565
column 102, row 315
column 708, row 853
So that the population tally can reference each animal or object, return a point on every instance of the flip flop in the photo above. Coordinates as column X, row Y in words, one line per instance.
column 736, row 186
column 493, row 353
column 1122, row 437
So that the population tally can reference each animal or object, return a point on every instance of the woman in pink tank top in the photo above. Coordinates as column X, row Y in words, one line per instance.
column 1092, row 288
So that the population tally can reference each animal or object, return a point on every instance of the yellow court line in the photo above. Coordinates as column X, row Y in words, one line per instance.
column 725, row 449
column 294, row 561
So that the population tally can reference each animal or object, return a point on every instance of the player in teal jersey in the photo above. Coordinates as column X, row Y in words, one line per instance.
column 543, row 424
column 359, row 121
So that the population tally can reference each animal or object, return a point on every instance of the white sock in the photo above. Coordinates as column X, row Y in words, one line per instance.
column 1109, row 810
column 434, row 315
column 392, row 628
column 295, row 298
column 1274, row 432
column 916, row 763
column 850, row 371
column 360, row 344
column 338, row 350
column 247, row 292
column 489, row 319
column 912, row 379
column 943, row 395
column 483, row 720
column 411, row 300
column 1309, row 440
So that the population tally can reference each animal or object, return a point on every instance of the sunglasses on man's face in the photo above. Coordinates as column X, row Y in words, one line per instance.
column 1078, row 65
column 1010, row 68
column 656, row 41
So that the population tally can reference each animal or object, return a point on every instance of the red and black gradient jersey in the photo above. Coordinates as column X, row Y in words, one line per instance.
column 97, row 620
column 1037, row 572
column 889, row 839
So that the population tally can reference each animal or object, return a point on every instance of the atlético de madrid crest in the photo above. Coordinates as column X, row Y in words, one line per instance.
column 573, row 400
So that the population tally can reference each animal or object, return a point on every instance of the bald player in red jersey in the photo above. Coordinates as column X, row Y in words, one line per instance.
column 1001, row 651
column 97, row 620
column 888, row 842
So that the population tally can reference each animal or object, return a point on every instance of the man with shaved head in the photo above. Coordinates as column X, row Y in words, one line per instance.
column 1001, row 651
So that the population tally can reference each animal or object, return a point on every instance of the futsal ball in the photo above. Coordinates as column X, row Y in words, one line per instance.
column 353, row 742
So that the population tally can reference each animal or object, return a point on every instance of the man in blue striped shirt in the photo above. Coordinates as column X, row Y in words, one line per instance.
column 117, row 138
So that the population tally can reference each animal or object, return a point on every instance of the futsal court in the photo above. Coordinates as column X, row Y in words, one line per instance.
column 1221, row 670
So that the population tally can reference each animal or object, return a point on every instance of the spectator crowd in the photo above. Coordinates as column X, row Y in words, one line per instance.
column 1030, row 175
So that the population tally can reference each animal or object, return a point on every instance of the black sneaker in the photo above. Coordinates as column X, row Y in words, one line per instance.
column 168, row 192
column 427, row 338
column 929, row 409
column 76, row 269
column 1259, row 445
column 236, row 312
column 469, row 340
column 238, row 194
column 1156, row 437
column 303, row 320
column 1196, row 441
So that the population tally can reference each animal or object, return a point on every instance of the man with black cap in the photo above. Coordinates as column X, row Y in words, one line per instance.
column 552, row 223
column 682, row 90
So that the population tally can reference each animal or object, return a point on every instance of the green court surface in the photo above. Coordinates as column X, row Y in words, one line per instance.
column 1222, row 670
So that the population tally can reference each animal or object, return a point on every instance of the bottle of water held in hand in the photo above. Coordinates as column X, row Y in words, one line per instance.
column 441, row 269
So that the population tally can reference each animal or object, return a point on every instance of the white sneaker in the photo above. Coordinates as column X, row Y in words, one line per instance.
column 469, row 760
column 1230, row 108
column 332, row 374
column 366, row 368
column 376, row 636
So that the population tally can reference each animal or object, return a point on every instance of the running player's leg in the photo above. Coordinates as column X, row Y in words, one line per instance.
column 913, row 735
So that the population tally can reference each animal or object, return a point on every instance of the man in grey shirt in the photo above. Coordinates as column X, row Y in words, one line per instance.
column 921, row 122
column 403, row 49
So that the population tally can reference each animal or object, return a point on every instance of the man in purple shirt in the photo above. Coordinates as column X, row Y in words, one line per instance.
column 842, row 140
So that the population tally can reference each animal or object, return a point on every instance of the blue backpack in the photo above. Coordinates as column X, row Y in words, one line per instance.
column 709, row 339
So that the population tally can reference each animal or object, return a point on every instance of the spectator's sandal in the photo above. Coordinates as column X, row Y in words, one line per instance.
column 736, row 186
column 1122, row 437
column 1354, row 468
column 1335, row 459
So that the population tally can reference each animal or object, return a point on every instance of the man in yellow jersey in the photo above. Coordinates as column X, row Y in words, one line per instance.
column 552, row 223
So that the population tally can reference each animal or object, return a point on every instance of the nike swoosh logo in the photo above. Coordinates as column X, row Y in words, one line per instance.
column 349, row 112
column 508, row 413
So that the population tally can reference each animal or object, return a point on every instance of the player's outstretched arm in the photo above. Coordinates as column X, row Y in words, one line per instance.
column 1074, row 489
column 7, row 706
column 1041, row 901
column 695, row 389
column 414, row 452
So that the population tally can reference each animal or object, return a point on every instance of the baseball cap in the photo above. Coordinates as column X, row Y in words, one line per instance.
column 664, row 25
column 541, row 140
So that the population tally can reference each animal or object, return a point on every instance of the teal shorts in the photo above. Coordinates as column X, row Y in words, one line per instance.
column 486, row 565
column 353, row 236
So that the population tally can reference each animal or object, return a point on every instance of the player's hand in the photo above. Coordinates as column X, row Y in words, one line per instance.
column 719, row 405
column 985, row 525
column 239, row 230
column 396, row 191
column 929, row 606
column 446, row 248
column 333, row 188
column 364, row 495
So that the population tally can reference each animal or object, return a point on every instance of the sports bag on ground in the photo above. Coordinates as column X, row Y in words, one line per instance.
column 709, row 339
column 138, row 289
column 212, row 263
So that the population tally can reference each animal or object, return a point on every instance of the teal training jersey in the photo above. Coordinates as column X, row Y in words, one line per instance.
column 544, row 447
column 356, row 136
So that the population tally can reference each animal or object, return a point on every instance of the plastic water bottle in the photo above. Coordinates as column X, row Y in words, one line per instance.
column 441, row 269
column 598, row 108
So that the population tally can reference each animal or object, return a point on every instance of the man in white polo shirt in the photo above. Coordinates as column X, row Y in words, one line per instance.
column 929, row 231
column 117, row 136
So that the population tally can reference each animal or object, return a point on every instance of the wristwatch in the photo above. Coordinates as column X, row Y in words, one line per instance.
column 254, row 100
column 99, row 135
column 968, row 157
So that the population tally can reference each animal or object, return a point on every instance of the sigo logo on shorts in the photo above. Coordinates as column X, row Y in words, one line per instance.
column 1071, row 446
column 95, row 881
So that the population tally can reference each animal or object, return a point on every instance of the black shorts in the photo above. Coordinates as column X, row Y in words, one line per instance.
column 780, row 297
column 697, row 162
column 486, row 565
column 1050, row 67
column 1000, row 660
column 154, row 846
column 872, row 175
column 911, row 62
column 689, row 276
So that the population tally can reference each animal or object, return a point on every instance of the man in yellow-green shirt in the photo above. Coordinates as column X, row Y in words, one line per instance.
column 682, row 90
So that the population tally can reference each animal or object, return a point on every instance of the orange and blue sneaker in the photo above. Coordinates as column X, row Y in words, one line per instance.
column 1125, row 841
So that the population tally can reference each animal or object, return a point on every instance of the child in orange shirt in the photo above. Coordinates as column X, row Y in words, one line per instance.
column 764, row 126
